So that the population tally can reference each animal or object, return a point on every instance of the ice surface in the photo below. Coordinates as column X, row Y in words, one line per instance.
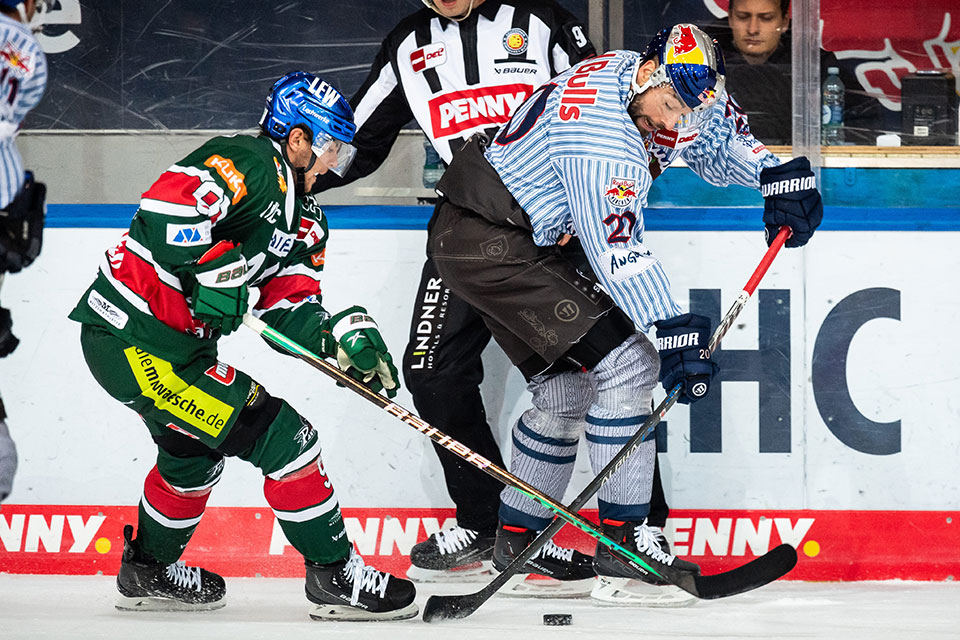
column 68, row 607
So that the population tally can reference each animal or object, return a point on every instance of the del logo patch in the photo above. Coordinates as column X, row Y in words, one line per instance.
column 621, row 192
column 428, row 57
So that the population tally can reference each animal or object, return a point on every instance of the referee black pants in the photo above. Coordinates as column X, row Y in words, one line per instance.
column 442, row 368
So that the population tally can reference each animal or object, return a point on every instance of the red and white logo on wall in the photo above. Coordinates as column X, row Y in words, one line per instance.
column 428, row 57
column 832, row 545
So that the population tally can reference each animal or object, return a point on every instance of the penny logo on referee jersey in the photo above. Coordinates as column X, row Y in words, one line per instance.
column 428, row 57
column 459, row 112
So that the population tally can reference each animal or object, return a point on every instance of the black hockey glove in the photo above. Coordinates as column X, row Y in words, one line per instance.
column 791, row 197
column 8, row 341
column 682, row 342
column 21, row 226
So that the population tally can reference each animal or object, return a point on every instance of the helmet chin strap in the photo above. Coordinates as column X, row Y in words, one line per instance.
column 36, row 23
column 657, row 78
column 299, row 173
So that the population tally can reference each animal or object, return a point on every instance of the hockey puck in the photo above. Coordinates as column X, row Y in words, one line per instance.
column 557, row 619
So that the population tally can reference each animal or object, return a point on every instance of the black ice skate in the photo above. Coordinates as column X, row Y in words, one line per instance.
column 455, row 554
column 620, row 583
column 553, row 572
column 148, row 585
column 350, row 590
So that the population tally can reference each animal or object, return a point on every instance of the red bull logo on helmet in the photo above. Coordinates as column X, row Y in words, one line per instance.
column 621, row 192
column 683, row 47
column 708, row 96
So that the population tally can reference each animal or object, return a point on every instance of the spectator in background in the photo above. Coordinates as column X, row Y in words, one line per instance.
column 23, row 70
column 757, row 47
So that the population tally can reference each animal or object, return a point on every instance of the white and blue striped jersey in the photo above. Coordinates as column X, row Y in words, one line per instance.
column 23, row 78
column 575, row 161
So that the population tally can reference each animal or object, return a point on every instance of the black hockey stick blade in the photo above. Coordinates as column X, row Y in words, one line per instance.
column 440, row 608
column 772, row 565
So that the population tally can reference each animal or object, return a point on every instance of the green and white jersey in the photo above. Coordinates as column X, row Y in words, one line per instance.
column 235, row 188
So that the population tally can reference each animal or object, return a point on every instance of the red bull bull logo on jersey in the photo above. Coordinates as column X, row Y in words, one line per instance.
column 17, row 60
column 621, row 192
column 683, row 47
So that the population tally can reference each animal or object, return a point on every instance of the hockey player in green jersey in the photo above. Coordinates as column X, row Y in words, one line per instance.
column 230, row 216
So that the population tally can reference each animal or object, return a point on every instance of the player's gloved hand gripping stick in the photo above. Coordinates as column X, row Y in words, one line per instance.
column 760, row 571
column 754, row 574
column 353, row 338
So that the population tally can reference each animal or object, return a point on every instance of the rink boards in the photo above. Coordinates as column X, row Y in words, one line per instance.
column 248, row 541
column 835, row 427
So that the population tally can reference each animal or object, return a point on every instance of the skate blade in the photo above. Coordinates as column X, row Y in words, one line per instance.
column 536, row 586
column 626, row 591
column 145, row 603
column 474, row 572
column 346, row 613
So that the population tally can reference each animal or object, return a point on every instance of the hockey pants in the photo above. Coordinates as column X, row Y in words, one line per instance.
column 197, row 414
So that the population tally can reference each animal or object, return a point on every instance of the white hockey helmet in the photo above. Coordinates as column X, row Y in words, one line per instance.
column 34, row 22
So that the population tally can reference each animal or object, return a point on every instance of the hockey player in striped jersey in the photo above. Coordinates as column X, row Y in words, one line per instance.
column 457, row 68
column 231, row 216
column 578, row 158
column 23, row 79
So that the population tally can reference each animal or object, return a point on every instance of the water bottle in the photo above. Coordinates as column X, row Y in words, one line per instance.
column 432, row 165
column 831, row 131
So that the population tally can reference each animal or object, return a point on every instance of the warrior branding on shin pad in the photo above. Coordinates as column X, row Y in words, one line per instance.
column 307, row 510
column 168, row 517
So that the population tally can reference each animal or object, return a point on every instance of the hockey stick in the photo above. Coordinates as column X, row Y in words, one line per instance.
column 754, row 574
column 644, row 564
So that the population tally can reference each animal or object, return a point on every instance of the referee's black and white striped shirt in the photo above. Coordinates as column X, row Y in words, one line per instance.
column 457, row 78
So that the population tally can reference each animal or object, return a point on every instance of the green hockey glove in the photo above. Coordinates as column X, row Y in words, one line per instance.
column 354, row 339
column 220, row 294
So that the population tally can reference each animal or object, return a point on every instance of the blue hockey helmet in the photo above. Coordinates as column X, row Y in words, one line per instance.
column 690, row 61
column 304, row 100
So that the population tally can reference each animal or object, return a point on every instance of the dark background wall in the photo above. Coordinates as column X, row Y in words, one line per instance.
column 205, row 64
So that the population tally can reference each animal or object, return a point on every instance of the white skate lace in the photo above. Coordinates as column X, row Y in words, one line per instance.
column 184, row 576
column 455, row 539
column 364, row 578
column 648, row 543
column 554, row 550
